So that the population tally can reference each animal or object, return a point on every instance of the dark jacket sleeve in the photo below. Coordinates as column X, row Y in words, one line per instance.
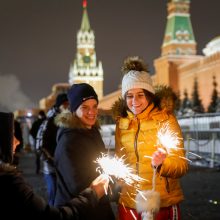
column 78, row 208
column 49, row 137
column 20, row 197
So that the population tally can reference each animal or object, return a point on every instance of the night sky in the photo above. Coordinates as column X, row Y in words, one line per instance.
column 38, row 40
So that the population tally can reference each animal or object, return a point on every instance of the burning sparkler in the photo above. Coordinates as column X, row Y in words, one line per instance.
column 148, row 202
column 167, row 139
column 114, row 166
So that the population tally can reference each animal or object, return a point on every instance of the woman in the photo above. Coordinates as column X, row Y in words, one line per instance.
column 137, row 130
column 79, row 143
column 17, row 197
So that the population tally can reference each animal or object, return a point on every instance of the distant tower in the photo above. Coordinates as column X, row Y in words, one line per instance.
column 179, row 37
column 84, row 67
column 178, row 46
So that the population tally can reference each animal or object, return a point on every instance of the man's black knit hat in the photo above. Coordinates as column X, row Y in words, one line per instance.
column 78, row 93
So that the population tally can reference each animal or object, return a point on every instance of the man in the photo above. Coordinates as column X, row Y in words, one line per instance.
column 46, row 145
column 33, row 132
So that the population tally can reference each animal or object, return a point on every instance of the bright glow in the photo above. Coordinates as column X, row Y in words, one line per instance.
column 114, row 166
column 167, row 139
column 84, row 3
column 29, row 114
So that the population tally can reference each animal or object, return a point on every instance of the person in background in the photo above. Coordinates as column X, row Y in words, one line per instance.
column 18, row 197
column 137, row 125
column 33, row 132
column 79, row 143
column 19, row 136
column 46, row 145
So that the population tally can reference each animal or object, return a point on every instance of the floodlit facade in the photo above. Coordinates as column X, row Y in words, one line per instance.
column 84, row 67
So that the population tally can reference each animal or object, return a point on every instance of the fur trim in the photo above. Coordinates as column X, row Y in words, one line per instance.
column 165, row 98
column 133, row 63
column 147, row 216
column 67, row 119
column 6, row 167
column 119, row 109
column 148, row 201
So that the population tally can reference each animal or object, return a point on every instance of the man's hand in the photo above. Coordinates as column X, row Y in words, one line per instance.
column 100, row 185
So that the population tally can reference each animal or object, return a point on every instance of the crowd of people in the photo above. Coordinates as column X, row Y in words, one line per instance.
column 68, row 141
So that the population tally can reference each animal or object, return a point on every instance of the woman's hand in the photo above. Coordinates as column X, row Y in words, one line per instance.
column 100, row 185
column 157, row 158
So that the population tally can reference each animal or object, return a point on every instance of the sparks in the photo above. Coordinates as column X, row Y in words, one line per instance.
column 133, row 215
column 114, row 166
column 195, row 155
column 167, row 139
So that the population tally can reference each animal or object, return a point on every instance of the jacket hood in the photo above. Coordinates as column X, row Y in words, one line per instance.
column 165, row 98
column 67, row 119
column 119, row 109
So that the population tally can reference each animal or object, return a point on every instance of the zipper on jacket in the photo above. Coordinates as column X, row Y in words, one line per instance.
column 167, row 185
column 135, row 146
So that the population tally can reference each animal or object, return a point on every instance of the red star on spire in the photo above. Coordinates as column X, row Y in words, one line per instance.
column 84, row 3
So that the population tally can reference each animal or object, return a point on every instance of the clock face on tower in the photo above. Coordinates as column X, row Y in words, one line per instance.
column 86, row 59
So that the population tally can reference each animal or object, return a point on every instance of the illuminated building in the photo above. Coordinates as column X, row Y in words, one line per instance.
column 179, row 65
column 84, row 67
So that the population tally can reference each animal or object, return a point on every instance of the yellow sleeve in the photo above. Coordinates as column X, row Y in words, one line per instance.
column 175, row 165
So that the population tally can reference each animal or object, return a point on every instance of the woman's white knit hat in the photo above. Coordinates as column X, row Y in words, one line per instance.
column 137, row 79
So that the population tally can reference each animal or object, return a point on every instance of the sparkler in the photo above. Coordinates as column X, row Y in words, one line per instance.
column 114, row 166
column 148, row 202
column 167, row 139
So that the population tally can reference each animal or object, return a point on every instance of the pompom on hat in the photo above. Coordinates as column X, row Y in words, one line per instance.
column 79, row 93
column 136, row 76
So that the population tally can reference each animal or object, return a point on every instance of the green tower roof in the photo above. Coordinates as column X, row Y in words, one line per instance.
column 179, row 32
column 85, row 25
column 178, row 28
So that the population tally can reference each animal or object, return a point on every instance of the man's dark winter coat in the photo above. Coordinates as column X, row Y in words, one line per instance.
column 77, row 149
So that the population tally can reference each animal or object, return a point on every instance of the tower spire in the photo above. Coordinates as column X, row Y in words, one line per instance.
column 85, row 25
column 85, row 67
column 179, row 37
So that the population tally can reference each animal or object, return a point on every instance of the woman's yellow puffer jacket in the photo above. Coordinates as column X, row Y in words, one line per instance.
column 136, row 137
